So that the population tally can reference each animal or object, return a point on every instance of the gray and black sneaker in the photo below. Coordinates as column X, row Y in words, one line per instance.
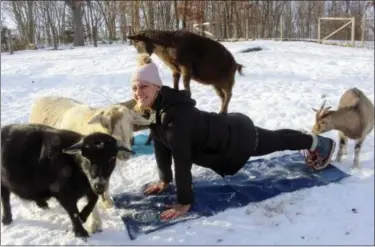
column 320, row 157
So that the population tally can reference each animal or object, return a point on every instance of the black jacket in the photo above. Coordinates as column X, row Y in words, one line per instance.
column 222, row 143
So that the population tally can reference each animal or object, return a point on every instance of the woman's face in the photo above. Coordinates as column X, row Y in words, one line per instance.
column 144, row 93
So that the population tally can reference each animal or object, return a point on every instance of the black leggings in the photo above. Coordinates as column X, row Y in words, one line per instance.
column 270, row 141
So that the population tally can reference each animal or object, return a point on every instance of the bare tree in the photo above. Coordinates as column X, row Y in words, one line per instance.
column 3, row 11
column 18, row 12
column 96, row 19
column 150, row 14
column 30, row 21
column 123, row 21
column 77, row 11
column 109, row 12
column 48, row 9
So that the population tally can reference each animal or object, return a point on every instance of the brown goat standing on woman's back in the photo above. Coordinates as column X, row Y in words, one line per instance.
column 194, row 57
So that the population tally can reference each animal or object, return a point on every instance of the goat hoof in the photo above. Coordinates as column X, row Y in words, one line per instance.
column 107, row 204
column 7, row 220
column 95, row 227
column 42, row 204
column 82, row 234
column 356, row 166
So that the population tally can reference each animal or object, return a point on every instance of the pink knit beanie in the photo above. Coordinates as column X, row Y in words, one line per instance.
column 146, row 71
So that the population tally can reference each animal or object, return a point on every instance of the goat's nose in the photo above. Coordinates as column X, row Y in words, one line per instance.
column 99, row 187
column 123, row 155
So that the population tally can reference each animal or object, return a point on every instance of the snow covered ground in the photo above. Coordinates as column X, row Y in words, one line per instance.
column 282, row 83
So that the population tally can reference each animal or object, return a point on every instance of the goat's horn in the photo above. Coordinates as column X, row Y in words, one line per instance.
column 121, row 147
column 75, row 146
column 323, row 104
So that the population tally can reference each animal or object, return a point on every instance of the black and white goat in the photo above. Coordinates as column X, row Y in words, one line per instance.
column 39, row 162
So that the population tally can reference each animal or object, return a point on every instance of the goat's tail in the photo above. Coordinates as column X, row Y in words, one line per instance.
column 239, row 68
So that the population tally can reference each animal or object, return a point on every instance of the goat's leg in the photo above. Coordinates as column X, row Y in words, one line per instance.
column 70, row 205
column 227, row 98
column 149, row 139
column 225, row 94
column 6, row 210
column 92, row 199
column 343, row 140
column 176, row 79
column 94, row 222
column 43, row 204
column 220, row 92
column 106, row 200
column 186, row 77
column 357, row 150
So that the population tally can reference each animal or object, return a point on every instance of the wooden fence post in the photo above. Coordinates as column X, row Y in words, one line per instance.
column 10, row 42
column 363, row 30
column 281, row 28
column 319, row 31
column 353, row 31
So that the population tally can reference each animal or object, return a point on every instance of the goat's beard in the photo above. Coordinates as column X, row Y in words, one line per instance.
column 139, row 108
column 85, row 164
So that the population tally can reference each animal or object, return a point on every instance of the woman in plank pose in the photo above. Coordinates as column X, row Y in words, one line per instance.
column 221, row 142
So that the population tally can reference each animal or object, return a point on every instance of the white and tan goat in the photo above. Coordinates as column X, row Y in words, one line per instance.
column 146, row 113
column 67, row 113
column 354, row 119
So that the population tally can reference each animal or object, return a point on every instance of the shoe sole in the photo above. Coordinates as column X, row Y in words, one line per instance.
column 328, row 160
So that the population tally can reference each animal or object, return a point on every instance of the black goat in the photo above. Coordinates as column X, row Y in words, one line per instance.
column 40, row 162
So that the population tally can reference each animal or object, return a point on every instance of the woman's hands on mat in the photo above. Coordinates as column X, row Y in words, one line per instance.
column 175, row 210
column 156, row 188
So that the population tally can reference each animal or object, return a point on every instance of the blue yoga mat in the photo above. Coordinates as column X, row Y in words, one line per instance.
column 139, row 146
column 258, row 180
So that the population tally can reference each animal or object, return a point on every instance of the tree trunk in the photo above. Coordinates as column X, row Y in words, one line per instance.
column 184, row 15
column 87, row 23
column 78, row 26
column 137, row 23
column 150, row 10
column 145, row 14
column 10, row 40
column 63, row 23
column 93, row 27
column 48, row 10
column 122, row 7
column 31, row 22
column 176, row 15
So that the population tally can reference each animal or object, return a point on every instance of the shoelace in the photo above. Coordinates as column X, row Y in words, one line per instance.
column 312, row 158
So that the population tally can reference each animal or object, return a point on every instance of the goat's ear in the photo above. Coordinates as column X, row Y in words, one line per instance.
column 73, row 149
column 97, row 118
column 327, row 108
column 138, row 119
